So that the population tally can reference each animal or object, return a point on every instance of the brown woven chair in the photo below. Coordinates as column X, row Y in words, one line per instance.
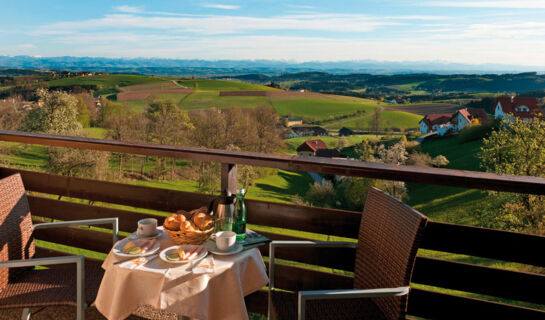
column 23, row 287
column 389, row 236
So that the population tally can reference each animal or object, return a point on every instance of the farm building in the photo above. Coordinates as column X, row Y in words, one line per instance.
column 290, row 122
column 524, row 108
column 304, row 131
column 329, row 153
column 431, row 122
column 346, row 131
column 466, row 116
column 310, row 147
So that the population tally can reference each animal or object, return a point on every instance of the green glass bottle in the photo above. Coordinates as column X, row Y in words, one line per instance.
column 239, row 223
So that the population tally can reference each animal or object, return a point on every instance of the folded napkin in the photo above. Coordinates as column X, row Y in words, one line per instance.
column 138, row 262
column 206, row 265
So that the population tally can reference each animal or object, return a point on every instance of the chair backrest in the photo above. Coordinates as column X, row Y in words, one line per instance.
column 16, row 241
column 389, row 236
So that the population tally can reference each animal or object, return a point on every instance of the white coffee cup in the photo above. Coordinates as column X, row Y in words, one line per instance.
column 225, row 240
column 146, row 227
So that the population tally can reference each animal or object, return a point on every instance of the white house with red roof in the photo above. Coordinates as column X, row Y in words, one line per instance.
column 432, row 122
column 467, row 116
column 520, row 107
column 310, row 147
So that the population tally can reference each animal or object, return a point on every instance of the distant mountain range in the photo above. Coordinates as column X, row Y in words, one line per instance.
column 178, row 67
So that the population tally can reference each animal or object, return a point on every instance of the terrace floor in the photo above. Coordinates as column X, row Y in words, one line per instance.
column 69, row 313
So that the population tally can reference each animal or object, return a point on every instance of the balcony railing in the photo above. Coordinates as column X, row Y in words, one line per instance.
column 475, row 285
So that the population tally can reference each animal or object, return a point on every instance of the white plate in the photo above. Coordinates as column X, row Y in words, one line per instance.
column 117, row 249
column 186, row 247
column 157, row 234
column 211, row 246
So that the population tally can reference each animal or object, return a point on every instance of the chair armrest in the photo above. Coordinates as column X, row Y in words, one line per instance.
column 303, row 296
column 88, row 222
column 41, row 261
column 299, row 244
column 80, row 271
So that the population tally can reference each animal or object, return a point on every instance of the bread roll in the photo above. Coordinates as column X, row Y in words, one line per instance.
column 172, row 222
column 203, row 221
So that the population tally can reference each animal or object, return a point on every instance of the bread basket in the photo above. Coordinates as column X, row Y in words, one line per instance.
column 189, row 237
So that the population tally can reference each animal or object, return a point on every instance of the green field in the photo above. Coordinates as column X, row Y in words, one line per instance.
column 224, row 85
column 211, row 99
column 389, row 119
column 141, row 105
column 448, row 204
column 319, row 109
column 106, row 81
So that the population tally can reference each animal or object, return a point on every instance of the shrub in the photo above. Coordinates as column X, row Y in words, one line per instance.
column 475, row 132
column 321, row 195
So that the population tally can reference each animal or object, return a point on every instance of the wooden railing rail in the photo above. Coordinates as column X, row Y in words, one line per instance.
column 435, row 176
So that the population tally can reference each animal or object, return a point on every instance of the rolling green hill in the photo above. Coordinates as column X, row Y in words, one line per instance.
column 106, row 81
column 448, row 204
column 224, row 85
column 318, row 108
column 211, row 99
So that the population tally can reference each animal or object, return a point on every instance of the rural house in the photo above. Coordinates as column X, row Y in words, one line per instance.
column 466, row 116
column 524, row 108
column 310, row 147
column 330, row 153
column 304, row 131
column 432, row 122
column 290, row 122
column 345, row 132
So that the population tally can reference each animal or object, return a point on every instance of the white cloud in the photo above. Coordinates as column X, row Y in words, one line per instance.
column 221, row 6
column 213, row 24
column 296, row 6
column 518, row 4
column 128, row 9
column 26, row 46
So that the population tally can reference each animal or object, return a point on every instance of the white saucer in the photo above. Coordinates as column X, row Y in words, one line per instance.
column 186, row 247
column 211, row 246
column 157, row 234
column 117, row 250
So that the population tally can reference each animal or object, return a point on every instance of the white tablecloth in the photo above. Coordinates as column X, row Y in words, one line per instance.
column 205, row 296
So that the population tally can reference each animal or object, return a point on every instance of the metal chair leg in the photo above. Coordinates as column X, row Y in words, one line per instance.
column 26, row 314
column 80, row 278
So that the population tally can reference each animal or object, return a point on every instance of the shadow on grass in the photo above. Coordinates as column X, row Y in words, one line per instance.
column 298, row 183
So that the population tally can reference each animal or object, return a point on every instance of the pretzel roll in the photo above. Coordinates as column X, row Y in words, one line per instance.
column 172, row 222
column 203, row 221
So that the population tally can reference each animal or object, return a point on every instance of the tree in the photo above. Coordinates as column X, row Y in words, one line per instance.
column 375, row 123
column 267, row 129
column 342, row 143
column 396, row 154
column 84, row 115
column 125, row 125
column 11, row 115
column 517, row 148
column 167, row 124
column 59, row 115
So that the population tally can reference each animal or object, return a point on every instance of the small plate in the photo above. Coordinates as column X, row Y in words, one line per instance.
column 157, row 234
column 211, row 246
column 186, row 247
column 117, row 249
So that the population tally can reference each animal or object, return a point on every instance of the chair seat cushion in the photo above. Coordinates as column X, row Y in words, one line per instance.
column 50, row 287
column 284, row 307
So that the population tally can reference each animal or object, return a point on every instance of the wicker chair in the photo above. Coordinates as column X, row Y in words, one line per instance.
column 389, row 236
column 23, row 287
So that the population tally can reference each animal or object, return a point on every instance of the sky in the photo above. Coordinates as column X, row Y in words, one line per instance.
column 472, row 32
